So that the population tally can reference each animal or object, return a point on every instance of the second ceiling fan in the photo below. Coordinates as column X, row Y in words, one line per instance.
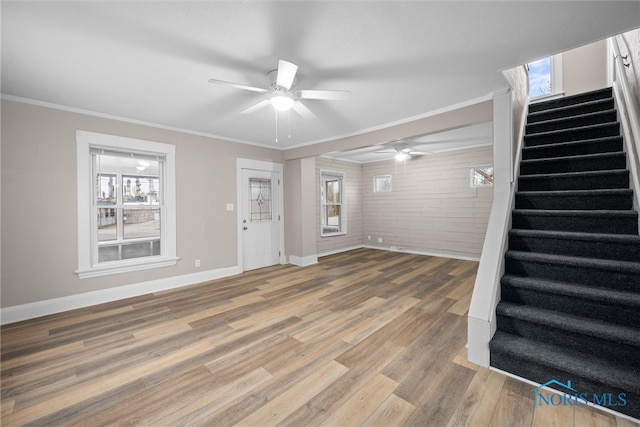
column 282, row 96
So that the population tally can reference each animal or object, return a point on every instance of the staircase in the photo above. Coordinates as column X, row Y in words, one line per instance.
column 570, row 305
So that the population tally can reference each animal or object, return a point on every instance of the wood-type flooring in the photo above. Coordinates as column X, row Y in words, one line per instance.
column 366, row 337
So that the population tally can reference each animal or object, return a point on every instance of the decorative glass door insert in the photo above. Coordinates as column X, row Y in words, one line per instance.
column 260, row 200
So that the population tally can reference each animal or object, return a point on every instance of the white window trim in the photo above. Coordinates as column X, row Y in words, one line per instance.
column 375, row 177
column 557, row 80
column 86, row 238
column 472, row 183
column 343, row 214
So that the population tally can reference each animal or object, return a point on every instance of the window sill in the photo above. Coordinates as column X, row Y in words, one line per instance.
column 118, row 267
column 333, row 234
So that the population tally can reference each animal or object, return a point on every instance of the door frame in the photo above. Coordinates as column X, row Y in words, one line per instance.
column 262, row 166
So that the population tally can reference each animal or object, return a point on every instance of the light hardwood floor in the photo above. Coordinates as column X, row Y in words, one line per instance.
column 365, row 337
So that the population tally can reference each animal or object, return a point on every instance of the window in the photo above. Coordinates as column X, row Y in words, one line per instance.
column 382, row 183
column 545, row 77
column 481, row 176
column 332, row 204
column 126, row 204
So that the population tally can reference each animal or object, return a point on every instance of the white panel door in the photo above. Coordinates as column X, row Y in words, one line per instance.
column 260, row 219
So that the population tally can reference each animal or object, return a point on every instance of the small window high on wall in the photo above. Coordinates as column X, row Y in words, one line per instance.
column 332, row 203
column 545, row 77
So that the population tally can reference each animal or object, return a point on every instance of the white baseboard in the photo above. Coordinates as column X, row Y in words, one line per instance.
column 339, row 251
column 416, row 252
column 303, row 261
column 57, row 305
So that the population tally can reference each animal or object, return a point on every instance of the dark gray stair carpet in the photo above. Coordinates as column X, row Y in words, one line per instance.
column 595, row 221
column 621, row 247
column 572, row 122
column 573, row 148
column 572, row 110
column 570, row 295
column 577, row 134
column 540, row 362
column 606, row 304
column 618, row 343
column 579, row 163
column 588, row 180
column 566, row 101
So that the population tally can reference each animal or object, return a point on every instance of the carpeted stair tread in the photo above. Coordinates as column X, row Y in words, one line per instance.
column 582, row 180
column 594, row 156
column 570, row 100
column 613, row 199
column 631, row 267
column 570, row 110
column 565, row 123
column 589, row 373
column 587, row 146
column 599, row 329
column 614, row 297
column 595, row 272
column 574, row 134
column 622, row 247
column 617, row 306
column 570, row 212
column 572, row 362
column 581, row 193
column 595, row 221
column 575, row 235
column 579, row 174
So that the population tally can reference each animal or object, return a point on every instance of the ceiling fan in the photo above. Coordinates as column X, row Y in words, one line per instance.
column 403, row 151
column 281, row 94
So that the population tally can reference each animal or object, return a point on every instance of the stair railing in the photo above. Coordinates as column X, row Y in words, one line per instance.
column 627, row 108
column 509, row 119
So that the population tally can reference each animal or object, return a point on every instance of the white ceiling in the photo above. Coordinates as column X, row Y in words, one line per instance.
column 456, row 139
column 150, row 61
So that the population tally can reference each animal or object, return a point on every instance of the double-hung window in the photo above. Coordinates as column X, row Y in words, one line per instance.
column 126, row 204
column 332, row 203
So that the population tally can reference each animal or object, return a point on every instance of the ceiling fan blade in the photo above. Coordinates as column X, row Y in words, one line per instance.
column 238, row 85
column 301, row 109
column 324, row 94
column 256, row 107
column 389, row 151
column 418, row 153
column 286, row 73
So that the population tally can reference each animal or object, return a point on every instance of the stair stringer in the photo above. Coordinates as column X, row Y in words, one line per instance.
column 482, row 322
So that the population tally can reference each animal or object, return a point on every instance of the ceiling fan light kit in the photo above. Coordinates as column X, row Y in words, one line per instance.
column 282, row 101
column 282, row 98
column 401, row 156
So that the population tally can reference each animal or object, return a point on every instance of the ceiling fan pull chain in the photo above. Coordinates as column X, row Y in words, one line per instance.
column 289, row 119
column 276, row 113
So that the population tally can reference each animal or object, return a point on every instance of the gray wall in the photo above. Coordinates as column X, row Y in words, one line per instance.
column 432, row 208
column 354, row 206
column 39, row 230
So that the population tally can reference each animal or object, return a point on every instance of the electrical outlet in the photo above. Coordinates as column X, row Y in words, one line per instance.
column 379, row 239
column 368, row 237
column 197, row 263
